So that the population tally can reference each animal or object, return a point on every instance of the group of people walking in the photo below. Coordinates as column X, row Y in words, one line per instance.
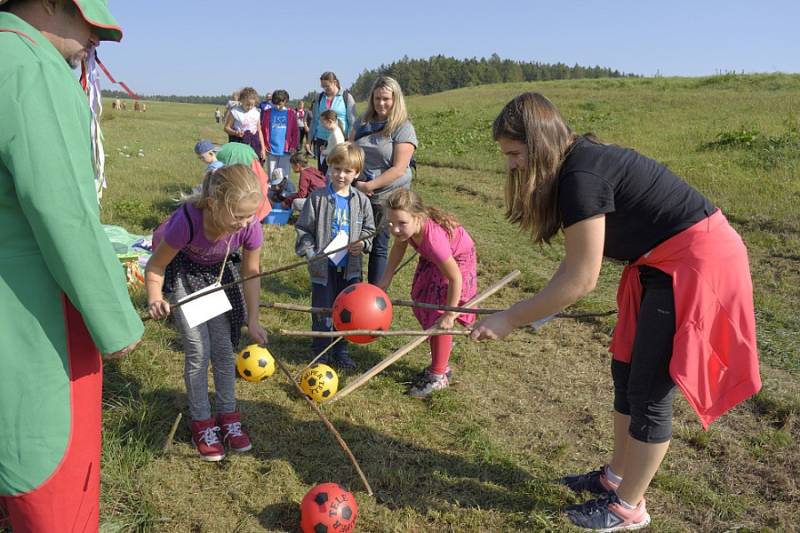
column 686, row 319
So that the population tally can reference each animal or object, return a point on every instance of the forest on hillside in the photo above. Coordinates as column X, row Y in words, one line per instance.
column 435, row 74
column 440, row 73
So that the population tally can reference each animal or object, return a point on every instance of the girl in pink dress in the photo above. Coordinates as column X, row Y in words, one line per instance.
column 446, row 275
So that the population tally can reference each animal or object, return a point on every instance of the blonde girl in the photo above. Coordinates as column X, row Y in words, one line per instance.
column 193, row 249
column 446, row 275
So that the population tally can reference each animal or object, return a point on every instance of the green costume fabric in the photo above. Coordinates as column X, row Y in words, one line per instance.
column 236, row 154
column 52, row 245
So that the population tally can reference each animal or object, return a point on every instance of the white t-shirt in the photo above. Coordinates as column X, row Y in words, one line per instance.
column 336, row 137
column 246, row 121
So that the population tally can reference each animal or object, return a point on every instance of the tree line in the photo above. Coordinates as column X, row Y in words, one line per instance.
column 440, row 73
column 192, row 99
column 435, row 74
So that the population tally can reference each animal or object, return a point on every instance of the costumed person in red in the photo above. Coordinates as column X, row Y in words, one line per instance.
column 685, row 300
column 446, row 275
column 63, row 296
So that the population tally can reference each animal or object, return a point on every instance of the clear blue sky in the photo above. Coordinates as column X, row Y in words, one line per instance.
column 210, row 48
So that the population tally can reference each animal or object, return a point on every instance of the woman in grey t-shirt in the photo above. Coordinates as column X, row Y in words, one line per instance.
column 388, row 140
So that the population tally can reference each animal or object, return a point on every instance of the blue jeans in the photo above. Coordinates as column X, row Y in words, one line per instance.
column 379, row 255
column 323, row 296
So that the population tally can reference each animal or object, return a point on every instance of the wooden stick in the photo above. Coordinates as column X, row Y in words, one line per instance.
column 296, row 307
column 323, row 352
column 365, row 377
column 407, row 261
column 463, row 310
column 328, row 425
column 171, row 434
column 318, row 257
column 374, row 333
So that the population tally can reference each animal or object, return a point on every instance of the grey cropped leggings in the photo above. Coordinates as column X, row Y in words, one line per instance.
column 210, row 341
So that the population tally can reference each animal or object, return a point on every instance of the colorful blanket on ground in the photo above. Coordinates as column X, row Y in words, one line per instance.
column 132, row 250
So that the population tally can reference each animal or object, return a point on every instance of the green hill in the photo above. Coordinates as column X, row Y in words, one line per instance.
column 483, row 455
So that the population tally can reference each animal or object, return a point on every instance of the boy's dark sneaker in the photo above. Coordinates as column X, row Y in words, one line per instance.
column 595, row 482
column 343, row 361
column 205, row 437
column 233, row 435
column 607, row 513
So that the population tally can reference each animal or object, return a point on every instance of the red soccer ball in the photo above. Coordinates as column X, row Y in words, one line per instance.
column 362, row 306
column 328, row 508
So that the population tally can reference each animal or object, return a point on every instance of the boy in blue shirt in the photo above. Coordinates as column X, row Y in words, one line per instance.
column 279, row 128
column 329, row 211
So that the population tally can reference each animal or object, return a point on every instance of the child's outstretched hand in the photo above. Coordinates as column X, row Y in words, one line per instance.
column 356, row 248
column 258, row 333
column 448, row 320
column 158, row 309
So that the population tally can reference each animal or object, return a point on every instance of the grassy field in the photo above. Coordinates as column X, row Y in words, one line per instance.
column 485, row 454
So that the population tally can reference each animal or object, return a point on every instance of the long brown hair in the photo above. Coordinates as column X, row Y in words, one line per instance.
column 532, row 193
column 410, row 202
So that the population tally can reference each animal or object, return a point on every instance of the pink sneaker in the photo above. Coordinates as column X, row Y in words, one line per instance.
column 205, row 437
column 232, row 433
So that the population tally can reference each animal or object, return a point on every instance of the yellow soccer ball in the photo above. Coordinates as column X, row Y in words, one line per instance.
column 319, row 382
column 255, row 363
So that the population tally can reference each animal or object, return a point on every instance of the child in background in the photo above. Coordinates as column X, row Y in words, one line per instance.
column 207, row 153
column 243, row 123
column 310, row 180
column 217, row 115
column 328, row 211
column 280, row 188
column 446, row 275
column 302, row 128
column 330, row 121
column 279, row 131
column 192, row 253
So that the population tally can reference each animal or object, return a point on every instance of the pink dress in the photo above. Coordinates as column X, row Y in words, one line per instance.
column 430, row 285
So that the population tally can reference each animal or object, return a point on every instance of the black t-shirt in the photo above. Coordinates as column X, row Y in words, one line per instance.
column 644, row 203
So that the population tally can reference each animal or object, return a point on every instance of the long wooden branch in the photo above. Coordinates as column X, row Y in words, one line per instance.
column 328, row 425
column 318, row 257
column 410, row 303
column 365, row 377
column 374, row 333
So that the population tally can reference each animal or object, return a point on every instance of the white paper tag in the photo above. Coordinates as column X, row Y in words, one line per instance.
column 339, row 241
column 204, row 309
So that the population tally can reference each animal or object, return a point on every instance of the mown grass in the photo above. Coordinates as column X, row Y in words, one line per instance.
column 483, row 455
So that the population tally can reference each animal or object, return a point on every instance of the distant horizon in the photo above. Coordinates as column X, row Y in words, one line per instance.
column 108, row 87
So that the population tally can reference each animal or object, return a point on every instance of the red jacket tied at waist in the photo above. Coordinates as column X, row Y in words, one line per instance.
column 714, row 354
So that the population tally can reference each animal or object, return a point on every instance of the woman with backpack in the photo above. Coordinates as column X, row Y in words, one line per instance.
column 389, row 140
column 333, row 98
